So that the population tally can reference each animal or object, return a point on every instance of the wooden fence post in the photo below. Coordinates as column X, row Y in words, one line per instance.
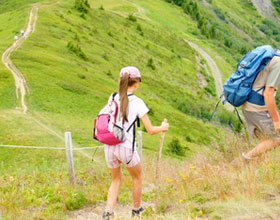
column 140, row 143
column 69, row 156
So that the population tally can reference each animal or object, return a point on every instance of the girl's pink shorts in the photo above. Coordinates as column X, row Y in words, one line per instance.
column 115, row 155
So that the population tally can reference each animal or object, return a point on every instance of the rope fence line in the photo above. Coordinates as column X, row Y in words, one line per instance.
column 69, row 151
column 49, row 148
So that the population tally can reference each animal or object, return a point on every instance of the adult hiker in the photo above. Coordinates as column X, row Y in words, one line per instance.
column 263, row 120
column 21, row 32
column 130, row 108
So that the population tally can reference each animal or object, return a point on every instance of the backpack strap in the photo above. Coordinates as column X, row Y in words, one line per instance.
column 216, row 107
column 133, row 143
column 239, row 117
column 134, row 135
column 133, row 123
column 114, row 95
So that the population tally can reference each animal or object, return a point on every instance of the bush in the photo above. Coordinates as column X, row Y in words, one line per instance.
column 220, row 14
column 131, row 17
column 83, row 16
column 76, row 201
column 81, row 76
column 228, row 43
column 139, row 29
column 76, row 49
column 82, row 5
column 109, row 73
column 175, row 147
column 151, row 64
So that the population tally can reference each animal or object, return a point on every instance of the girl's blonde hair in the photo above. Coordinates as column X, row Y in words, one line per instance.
column 124, row 84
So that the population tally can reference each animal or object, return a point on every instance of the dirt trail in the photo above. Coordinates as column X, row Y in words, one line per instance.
column 21, row 87
column 20, row 83
column 265, row 8
column 214, row 69
column 122, row 212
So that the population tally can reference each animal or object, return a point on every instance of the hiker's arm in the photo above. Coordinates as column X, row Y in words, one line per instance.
column 153, row 129
column 269, row 99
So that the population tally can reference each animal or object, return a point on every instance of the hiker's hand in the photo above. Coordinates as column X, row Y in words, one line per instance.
column 164, row 126
column 277, row 126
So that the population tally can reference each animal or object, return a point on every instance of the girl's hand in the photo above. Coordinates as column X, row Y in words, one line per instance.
column 164, row 126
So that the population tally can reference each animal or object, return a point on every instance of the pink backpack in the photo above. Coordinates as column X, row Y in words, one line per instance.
column 108, row 126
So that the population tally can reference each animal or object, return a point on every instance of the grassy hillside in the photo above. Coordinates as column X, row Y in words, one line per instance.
column 71, row 65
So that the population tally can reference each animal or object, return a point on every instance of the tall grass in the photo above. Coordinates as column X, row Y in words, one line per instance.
column 210, row 187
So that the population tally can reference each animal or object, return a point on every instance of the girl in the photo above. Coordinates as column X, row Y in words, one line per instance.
column 131, row 107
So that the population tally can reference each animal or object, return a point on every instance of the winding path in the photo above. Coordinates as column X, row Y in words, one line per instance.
column 214, row 69
column 20, row 83
column 265, row 8
column 21, row 87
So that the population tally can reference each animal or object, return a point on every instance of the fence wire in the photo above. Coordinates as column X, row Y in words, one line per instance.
column 50, row 148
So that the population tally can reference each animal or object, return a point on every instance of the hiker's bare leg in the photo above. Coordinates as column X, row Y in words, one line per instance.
column 114, row 188
column 263, row 146
column 136, row 173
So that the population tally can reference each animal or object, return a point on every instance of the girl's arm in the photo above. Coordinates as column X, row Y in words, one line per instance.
column 152, row 129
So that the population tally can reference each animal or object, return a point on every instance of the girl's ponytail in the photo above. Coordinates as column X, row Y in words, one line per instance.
column 123, row 85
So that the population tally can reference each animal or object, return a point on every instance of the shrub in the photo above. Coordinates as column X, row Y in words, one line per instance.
column 139, row 29
column 81, row 76
column 131, row 17
column 76, row 201
column 210, row 88
column 76, row 49
column 83, row 16
column 82, row 5
column 175, row 147
column 151, row 64
column 102, row 8
column 109, row 73
column 220, row 14
column 228, row 43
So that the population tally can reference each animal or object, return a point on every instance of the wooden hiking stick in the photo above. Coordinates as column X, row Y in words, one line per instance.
column 158, row 164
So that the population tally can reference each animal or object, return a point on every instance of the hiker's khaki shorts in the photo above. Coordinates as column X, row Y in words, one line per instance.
column 259, row 124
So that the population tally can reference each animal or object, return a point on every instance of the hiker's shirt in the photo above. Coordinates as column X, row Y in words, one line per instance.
column 136, row 108
column 268, row 77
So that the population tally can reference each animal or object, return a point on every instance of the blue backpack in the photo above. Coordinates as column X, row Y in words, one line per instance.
column 238, row 88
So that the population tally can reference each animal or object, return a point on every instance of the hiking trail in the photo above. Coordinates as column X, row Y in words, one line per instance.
column 264, row 7
column 122, row 212
column 20, row 83
column 21, row 87
column 214, row 69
